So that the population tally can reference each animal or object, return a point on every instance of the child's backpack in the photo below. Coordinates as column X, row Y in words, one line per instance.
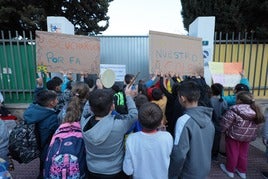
column 4, row 173
column 24, row 143
column 120, row 102
column 66, row 157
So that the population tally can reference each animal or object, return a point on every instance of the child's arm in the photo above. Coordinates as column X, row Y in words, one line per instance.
column 39, row 87
column 227, row 120
column 132, row 115
column 179, row 151
column 244, row 80
column 128, row 163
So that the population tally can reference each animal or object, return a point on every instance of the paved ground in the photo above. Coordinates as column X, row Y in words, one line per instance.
column 257, row 163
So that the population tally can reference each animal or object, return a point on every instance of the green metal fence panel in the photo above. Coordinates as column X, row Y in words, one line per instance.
column 17, row 63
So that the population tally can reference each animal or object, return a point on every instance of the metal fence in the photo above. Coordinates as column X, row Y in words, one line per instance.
column 17, row 67
column 18, row 56
column 251, row 53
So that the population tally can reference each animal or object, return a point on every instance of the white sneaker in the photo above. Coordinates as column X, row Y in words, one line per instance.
column 242, row 175
column 229, row 174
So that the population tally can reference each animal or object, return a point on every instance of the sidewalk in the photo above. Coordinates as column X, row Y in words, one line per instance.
column 256, row 163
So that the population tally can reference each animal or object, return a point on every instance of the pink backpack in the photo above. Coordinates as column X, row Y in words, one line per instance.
column 66, row 153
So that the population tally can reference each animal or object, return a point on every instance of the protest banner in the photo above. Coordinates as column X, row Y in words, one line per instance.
column 57, row 52
column 179, row 54
column 227, row 74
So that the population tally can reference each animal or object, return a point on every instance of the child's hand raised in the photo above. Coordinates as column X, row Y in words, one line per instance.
column 39, row 82
column 129, row 91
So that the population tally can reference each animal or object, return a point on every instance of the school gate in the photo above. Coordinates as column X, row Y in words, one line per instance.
column 18, row 60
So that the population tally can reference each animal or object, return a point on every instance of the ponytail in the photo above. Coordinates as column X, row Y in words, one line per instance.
column 259, row 116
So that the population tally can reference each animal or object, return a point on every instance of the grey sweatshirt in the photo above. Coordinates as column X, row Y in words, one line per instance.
column 104, row 142
column 191, row 154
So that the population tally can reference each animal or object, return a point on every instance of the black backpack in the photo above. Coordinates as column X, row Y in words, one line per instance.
column 120, row 102
column 24, row 143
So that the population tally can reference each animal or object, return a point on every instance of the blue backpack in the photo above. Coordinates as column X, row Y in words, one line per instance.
column 66, row 153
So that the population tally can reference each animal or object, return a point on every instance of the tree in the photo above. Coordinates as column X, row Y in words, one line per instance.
column 231, row 15
column 86, row 15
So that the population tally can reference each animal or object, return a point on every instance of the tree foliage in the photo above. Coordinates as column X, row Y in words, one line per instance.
column 231, row 15
column 87, row 16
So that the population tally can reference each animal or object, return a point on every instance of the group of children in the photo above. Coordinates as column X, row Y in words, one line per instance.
column 174, row 126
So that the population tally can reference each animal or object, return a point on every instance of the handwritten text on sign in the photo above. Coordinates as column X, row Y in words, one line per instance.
column 171, row 53
column 227, row 74
column 61, row 52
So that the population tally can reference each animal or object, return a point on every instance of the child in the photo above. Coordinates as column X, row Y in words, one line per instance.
column 67, row 92
column 140, row 99
column 161, row 100
column 44, row 116
column 79, row 93
column 104, row 133
column 242, row 86
column 194, row 133
column 69, row 130
column 219, row 107
column 148, row 152
column 55, row 85
column 240, row 124
column 119, row 95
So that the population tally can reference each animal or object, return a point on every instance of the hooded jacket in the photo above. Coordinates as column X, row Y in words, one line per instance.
column 191, row 154
column 46, row 120
column 104, row 141
column 238, row 123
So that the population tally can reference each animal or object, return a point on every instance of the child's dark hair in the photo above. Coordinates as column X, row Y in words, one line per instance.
column 116, row 88
column 51, row 85
column 217, row 90
column 140, row 99
column 241, row 87
column 157, row 94
column 142, row 88
column 128, row 78
column 44, row 97
column 100, row 101
column 150, row 116
column 58, row 80
column 190, row 90
column 80, row 92
column 245, row 97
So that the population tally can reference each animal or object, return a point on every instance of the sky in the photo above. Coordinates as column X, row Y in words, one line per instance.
column 137, row 17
